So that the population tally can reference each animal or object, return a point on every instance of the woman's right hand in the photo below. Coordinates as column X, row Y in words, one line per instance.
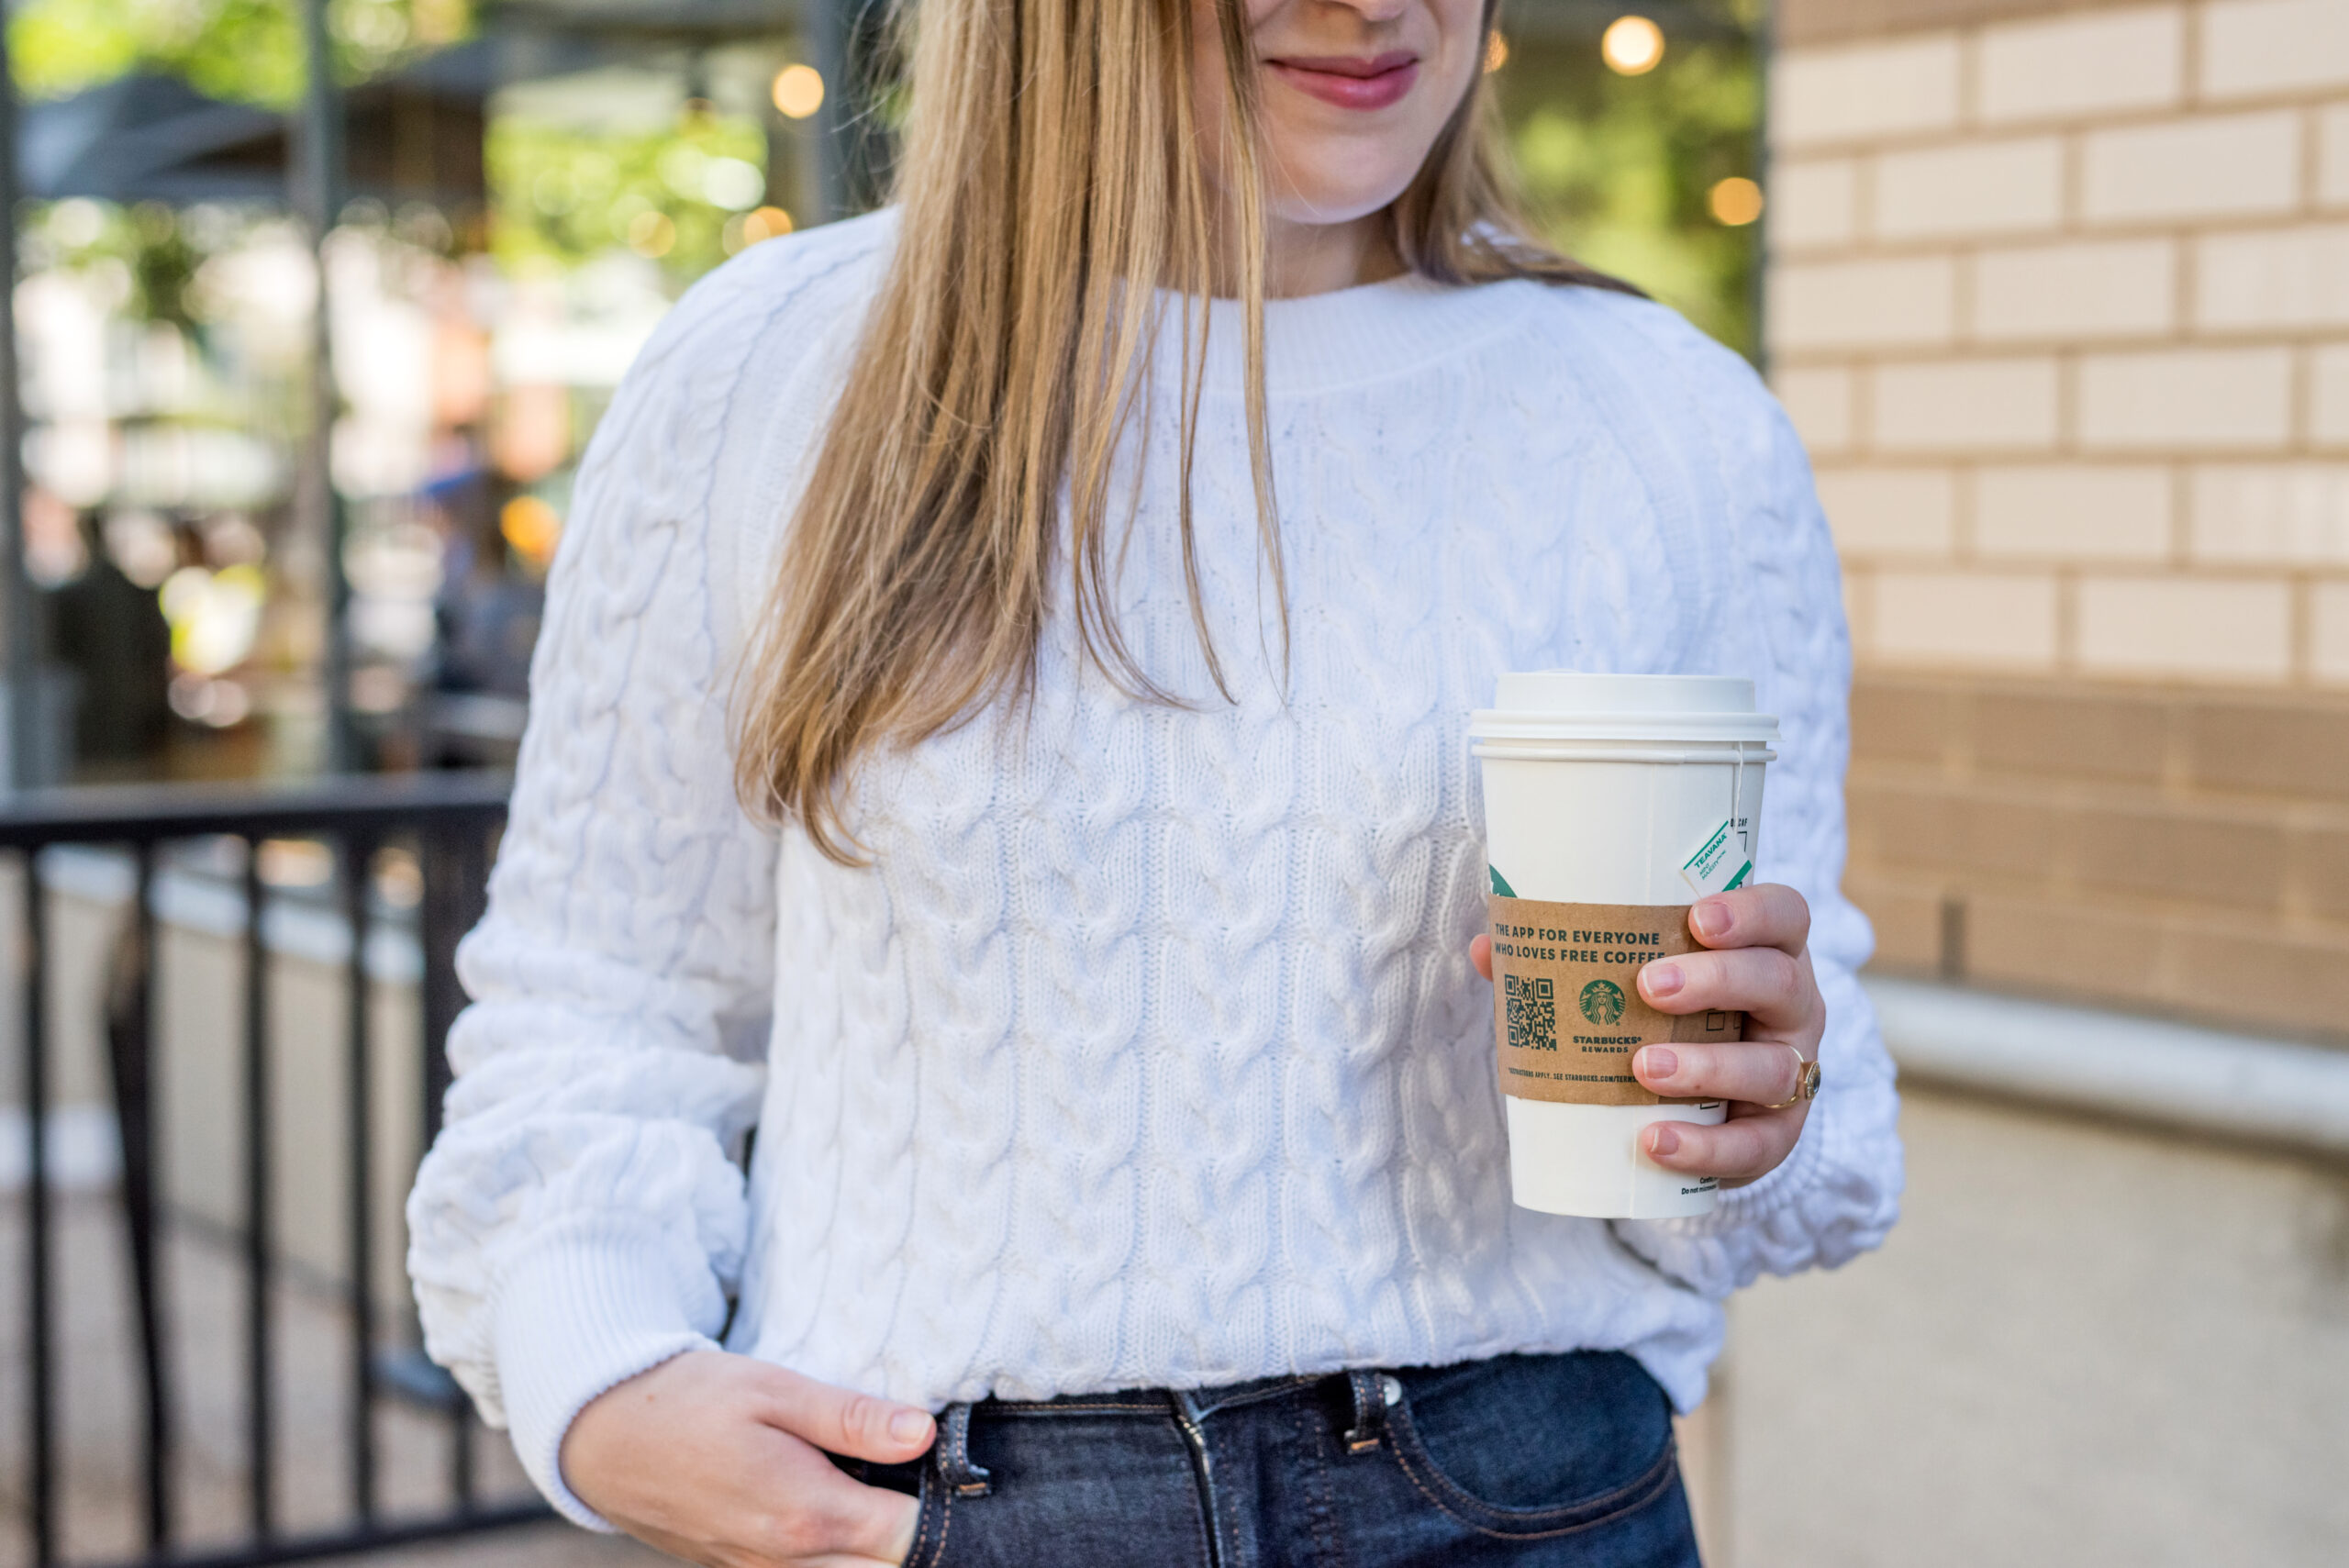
column 717, row 1458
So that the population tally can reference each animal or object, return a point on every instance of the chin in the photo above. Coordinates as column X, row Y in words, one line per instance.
column 1336, row 198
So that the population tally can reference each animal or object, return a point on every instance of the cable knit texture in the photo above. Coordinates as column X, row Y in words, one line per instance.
column 1147, row 1051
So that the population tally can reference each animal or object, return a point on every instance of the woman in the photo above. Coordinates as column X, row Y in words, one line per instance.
column 1082, row 572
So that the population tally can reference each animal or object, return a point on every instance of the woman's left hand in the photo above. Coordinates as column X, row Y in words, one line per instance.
column 1759, row 964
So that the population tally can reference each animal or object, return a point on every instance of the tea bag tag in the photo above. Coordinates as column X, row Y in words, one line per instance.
column 1725, row 859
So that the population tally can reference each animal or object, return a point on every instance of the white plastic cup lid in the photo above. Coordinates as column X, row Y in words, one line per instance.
column 1570, row 704
column 1571, row 691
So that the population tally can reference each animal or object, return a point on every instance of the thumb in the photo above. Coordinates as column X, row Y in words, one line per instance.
column 1480, row 953
column 860, row 1426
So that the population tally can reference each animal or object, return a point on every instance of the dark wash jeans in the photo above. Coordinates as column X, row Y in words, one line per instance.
column 1548, row 1460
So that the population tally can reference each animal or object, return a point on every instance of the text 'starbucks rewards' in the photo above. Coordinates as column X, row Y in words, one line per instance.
column 1611, row 803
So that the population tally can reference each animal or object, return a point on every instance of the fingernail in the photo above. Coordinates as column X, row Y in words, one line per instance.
column 908, row 1426
column 1664, row 1140
column 1656, row 1061
column 1709, row 919
column 1660, row 979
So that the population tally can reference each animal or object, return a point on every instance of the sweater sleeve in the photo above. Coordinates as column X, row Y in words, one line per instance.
column 581, row 1217
column 1838, row 1192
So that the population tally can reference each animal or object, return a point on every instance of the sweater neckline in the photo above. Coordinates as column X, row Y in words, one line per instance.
column 1368, row 332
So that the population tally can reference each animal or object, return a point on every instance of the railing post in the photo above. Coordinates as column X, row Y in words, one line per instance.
column 315, row 183
column 455, row 819
column 259, row 1427
column 23, row 649
column 130, row 1041
column 358, row 857
column 452, row 860
column 40, row 1480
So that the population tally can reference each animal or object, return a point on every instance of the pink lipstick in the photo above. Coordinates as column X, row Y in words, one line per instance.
column 1350, row 83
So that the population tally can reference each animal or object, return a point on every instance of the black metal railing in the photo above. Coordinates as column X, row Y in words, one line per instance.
column 439, row 828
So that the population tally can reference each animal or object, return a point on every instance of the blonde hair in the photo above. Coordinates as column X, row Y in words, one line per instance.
column 1048, row 161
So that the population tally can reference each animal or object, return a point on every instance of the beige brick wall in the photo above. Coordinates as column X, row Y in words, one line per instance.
column 2131, row 843
column 2066, row 296
column 2329, row 397
column 2059, row 295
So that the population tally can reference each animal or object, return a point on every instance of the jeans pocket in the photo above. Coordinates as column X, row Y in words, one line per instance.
column 1530, row 1446
column 931, row 1524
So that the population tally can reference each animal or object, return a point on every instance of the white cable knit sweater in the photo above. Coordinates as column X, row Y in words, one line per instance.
column 1148, row 1052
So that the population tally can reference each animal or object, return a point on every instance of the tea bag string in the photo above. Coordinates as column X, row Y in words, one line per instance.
column 1737, row 805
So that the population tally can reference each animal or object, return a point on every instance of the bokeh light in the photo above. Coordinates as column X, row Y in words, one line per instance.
column 751, row 227
column 531, row 527
column 1736, row 201
column 798, row 91
column 651, row 233
column 1631, row 46
column 295, row 862
column 214, row 616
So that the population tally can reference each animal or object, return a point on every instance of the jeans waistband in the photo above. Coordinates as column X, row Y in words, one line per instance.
column 1364, row 1395
column 1158, row 1401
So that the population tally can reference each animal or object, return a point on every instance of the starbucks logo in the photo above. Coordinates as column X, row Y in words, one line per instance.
column 1602, row 1003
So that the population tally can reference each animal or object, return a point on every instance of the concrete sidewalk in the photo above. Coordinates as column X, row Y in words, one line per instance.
column 99, row 1428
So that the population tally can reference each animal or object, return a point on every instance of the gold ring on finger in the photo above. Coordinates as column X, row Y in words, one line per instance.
column 1806, row 1079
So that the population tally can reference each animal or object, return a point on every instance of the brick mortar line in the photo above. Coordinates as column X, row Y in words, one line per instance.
column 2174, row 919
column 2181, row 231
column 2285, row 915
column 2178, row 915
column 2144, row 569
column 2025, row 456
column 1838, row 463
column 1791, row 23
column 2058, row 668
column 2067, row 618
column 1976, row 243
column 1970, row 685
column 2166, row 921
column 2008, row 786
column 2310, row 104
column 1793, row 358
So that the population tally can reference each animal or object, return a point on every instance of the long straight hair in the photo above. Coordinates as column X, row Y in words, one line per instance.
column 1050, row 186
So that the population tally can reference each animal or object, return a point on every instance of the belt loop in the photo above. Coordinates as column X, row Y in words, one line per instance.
column 1372, row 1392
column 953, row 1454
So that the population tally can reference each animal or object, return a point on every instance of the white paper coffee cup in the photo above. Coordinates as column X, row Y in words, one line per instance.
column 1627, row 797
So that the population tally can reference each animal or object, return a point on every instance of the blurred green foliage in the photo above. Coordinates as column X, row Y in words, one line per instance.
column 1619, row 171
column 562, row 195
column 241, row 51
column 149, row 253
column 162, row 265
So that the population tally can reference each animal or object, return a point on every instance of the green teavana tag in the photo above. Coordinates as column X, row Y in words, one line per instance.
column 1721, row 862
column 1500, row 882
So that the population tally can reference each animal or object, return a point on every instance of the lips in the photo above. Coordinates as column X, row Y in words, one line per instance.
column 1351, row 82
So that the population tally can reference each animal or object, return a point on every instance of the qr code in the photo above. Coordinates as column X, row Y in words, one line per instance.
column 1532, row 1013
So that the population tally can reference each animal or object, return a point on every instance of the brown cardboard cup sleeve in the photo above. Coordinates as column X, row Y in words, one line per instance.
column 1567, row 1008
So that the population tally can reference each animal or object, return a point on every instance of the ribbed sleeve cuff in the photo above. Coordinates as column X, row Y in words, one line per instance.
column 1776, row 1188
column 1719, row 1252
column 574, row 1315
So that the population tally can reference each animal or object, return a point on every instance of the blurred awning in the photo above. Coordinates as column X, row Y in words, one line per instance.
column 412, row 135
column 149, row 137
column 657, row 21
